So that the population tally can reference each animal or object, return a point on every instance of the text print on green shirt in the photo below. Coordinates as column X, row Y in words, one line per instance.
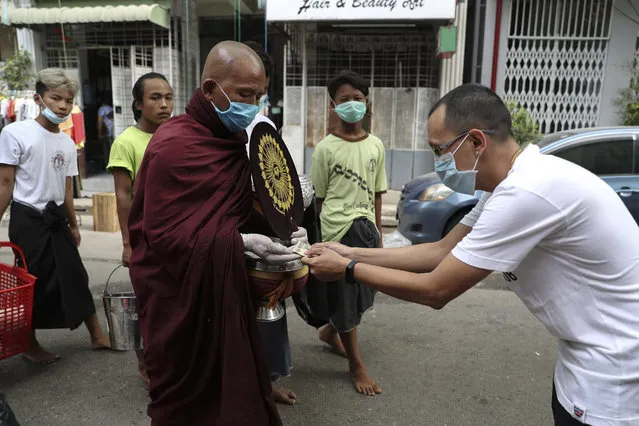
column 347, row 175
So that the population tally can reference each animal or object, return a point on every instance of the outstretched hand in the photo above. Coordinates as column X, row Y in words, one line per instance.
column 326, row 264
column 341, row 249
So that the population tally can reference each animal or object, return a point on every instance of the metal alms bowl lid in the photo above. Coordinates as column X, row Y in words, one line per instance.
column 308, row 191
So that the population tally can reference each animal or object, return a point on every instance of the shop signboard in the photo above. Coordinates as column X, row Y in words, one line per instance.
column 359, row 10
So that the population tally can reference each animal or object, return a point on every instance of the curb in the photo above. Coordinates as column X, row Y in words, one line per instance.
column 389, row 222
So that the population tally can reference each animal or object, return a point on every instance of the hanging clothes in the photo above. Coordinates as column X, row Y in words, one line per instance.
column 31, row 109
column 67, row 127
column 79, row 134
column 18, row 110
column 4, row 108
column 4, row 112
column 74, row 127
column 12, row 113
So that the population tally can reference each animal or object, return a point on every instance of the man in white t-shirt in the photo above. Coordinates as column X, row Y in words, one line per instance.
column 37, row 165
column 564, row 240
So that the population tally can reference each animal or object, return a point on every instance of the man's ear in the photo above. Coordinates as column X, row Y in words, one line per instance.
column 208, row 87
column 478, row 139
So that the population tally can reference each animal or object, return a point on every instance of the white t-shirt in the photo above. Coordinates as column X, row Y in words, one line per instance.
column 43, row 161
column 570, row 250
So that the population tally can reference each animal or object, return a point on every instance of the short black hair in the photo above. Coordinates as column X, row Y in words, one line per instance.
column 347, row 77
column 138, row 91
column 473, row 106
column 267, row 60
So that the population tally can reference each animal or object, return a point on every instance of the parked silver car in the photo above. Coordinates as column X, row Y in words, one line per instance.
column 428, row 210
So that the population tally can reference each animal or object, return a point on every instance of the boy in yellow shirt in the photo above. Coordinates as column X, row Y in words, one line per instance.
column 349, row 175
column 152, row 106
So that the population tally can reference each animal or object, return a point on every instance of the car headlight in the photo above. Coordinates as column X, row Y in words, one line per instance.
column 436, row 192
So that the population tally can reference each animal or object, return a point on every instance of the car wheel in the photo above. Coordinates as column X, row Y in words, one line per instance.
column 454, row 220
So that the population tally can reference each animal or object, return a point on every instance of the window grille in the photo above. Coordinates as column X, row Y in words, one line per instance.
column 556, row 59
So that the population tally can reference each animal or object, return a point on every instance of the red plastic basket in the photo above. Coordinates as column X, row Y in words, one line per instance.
column 16, row 305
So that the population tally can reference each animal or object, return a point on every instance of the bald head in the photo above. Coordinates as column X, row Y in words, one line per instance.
column 233, row 72
column 226, row 57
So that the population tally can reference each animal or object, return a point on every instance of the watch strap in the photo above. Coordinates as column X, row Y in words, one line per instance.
column 350, row 272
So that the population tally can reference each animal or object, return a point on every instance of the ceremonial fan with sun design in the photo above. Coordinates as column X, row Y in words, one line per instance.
column 276, row 182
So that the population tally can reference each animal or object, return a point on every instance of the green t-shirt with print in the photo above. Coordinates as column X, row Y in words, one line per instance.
column 128, row 149
column 347, row 175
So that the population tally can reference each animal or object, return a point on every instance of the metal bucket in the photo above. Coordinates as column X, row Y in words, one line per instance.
column 122, row 318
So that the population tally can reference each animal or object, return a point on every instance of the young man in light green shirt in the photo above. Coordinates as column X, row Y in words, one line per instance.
column 152, row 106
column 349, row 175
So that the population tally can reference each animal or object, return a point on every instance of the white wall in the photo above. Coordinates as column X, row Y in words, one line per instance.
column 621, row 50
column 167, row 61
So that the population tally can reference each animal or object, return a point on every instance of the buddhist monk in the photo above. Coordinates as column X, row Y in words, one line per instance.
column 192, row 195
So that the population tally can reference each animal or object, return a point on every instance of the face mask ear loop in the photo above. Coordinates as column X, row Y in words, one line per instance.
column 227, row 96
column 43, row 106
column 459, row 146
column 476, row 161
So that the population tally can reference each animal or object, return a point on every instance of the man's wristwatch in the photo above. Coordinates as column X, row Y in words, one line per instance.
column 350, row 272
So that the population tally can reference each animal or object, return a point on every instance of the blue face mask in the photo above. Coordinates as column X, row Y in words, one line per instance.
column 459, row 181
column 52, row 116
column 239, row 115
column 351, row 112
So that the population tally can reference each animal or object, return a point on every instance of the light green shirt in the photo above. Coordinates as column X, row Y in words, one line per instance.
column 347, row 175
column 128, row 149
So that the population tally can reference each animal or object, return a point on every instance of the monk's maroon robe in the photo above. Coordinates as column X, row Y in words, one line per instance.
column 201, row 345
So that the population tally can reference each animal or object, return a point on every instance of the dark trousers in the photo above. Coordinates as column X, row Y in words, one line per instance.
column 7, row 418
column 562, row 417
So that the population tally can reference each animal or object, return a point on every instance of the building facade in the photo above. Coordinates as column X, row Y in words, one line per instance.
column 394, row 46
column 106, row 46
column 564, row 60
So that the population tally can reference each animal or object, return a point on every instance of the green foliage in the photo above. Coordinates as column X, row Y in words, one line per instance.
column 17, row 71
column 525, row 128
column 628, row 100
column 631, row 117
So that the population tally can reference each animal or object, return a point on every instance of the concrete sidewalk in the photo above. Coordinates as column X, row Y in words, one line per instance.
column 389, row 208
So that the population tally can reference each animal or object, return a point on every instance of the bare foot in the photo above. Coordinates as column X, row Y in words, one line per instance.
column 143, row 375
column 328, row 335
column 39, row 356
column 142, row 367
column 101, row 342
column 363, row 383
column 284, row 396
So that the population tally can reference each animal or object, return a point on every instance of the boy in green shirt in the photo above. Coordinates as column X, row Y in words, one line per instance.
column 152, row 106
column 349, row 175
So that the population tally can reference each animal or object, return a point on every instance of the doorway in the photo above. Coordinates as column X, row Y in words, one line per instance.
column 97, row 91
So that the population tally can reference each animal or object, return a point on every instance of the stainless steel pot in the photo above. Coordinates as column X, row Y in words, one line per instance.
column 307, row 190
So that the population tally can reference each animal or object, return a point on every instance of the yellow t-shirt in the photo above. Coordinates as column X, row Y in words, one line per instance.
column 128, row 149
column 347, row 175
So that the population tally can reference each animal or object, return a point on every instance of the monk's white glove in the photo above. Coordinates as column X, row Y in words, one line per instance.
column 300, row 236
column 267, row 250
